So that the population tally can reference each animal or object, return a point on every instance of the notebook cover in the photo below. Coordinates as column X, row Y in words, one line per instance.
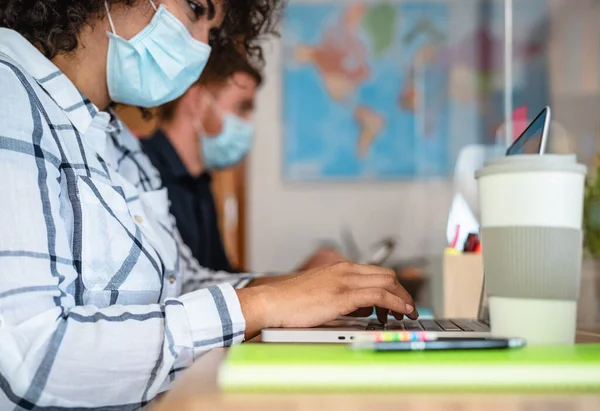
column 297, row 367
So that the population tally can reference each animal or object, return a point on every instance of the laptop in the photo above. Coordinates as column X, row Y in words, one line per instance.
column 343, row 330
column 534, row 140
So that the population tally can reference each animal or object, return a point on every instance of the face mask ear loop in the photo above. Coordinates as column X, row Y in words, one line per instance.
column 200, row 129
column 153, row 5
column 213, row 103
column 199, row 126
column 110, row 21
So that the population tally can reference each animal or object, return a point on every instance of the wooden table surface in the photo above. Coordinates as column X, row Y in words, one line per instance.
column 197, row 390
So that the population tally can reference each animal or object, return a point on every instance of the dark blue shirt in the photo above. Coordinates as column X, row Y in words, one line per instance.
column 192, row 203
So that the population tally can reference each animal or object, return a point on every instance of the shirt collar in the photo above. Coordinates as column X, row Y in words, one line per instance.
column 76, row 106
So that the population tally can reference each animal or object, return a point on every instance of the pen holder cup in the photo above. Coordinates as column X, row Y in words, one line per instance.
column 456, row 285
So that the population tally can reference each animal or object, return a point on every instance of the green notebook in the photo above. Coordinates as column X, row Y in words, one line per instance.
column 290, row 367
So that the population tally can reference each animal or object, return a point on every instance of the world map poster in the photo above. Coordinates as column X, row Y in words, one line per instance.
column 364, row 95
column 393, row 90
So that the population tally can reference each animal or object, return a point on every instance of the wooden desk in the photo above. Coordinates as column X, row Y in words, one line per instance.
column 197, row 390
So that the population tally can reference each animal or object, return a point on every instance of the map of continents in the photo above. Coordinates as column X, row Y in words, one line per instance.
column 363, row 97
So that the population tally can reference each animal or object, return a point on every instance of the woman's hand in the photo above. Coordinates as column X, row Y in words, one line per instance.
column 320, row 295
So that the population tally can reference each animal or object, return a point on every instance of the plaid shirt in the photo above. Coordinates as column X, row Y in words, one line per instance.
column 92, row 268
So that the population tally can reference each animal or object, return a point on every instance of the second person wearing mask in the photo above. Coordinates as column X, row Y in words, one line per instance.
column 209, row 128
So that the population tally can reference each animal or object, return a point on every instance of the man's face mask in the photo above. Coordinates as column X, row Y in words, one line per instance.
column 231, row 145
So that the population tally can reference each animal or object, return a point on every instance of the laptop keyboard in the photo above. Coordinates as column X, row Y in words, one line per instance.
column 456, row 325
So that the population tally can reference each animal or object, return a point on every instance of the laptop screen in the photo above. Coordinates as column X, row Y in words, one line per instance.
column 483, row 313
column 530, row 141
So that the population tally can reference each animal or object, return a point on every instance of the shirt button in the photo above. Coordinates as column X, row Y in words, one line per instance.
column 171, row 279
column 139, row 219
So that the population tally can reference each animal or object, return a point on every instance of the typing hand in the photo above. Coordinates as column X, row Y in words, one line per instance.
column 323, row 294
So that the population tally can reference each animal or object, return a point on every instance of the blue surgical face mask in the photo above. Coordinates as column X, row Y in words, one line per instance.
column 230, row 146
column 157, row 65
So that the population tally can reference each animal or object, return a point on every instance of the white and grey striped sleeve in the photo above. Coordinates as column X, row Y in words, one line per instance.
column 55, row 353
column 135, row 164
column 196, row 276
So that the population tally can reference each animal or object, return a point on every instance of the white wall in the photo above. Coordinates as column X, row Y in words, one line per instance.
column 575, row 75
column 287, row 220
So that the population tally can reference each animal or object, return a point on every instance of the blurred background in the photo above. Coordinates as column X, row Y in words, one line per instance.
column 366, row 108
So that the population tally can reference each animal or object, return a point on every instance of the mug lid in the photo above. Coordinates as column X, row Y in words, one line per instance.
column 532, row 163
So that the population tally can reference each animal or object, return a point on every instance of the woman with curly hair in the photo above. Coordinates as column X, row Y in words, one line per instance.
column 101, row 304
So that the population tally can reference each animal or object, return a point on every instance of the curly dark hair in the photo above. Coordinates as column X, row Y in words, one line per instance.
column 54, row 25
column 246, row 23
